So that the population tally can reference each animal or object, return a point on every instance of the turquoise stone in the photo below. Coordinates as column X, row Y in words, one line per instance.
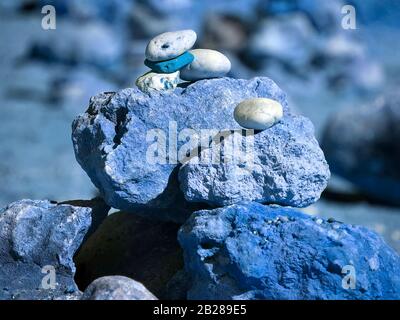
column 170, row 66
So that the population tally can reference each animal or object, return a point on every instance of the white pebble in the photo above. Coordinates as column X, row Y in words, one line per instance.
column 206, row 64
column 158, row 81
column 258, row 113
column 170, row 45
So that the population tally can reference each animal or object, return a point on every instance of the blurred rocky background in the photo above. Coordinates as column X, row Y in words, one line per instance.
column 342, row 79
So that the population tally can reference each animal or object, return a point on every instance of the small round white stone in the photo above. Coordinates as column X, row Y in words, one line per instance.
column 170, row 45
column 206, row 64
column 157, row 81
column 258, row 113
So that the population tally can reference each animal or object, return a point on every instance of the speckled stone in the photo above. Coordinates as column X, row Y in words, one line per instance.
column 158, row 81
column 170, row 45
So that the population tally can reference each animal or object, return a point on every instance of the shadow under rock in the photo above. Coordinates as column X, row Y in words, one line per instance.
column 129, row 245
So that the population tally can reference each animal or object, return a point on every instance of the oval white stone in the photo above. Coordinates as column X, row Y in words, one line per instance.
column 258, row 113
column 206, row 64
column 158, row 81
column 170, row 45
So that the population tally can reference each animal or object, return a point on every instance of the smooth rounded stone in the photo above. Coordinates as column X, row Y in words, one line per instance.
column 117, row 288
column 158, row 81
column 170, row 66
column 361, row 145
column 110, row 138
column 38, row 239
column 252, row 252
column 258, row 114
column 282, row 165
column 207, row 64
column 128, row 245
column 170, row 45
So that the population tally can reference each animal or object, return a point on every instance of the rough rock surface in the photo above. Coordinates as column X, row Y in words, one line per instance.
column 116, row 288
column 363, row 146
column 108, row 138
column 285, row 166
column 99, row 212
column 36, row 236
column 251, row 251
column 129, row 245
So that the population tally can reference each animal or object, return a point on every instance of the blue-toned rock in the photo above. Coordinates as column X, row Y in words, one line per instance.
column 170, row 66
column 116, row 288
column 207, row 64
column 251, row 251
column 362, row 146
column 38, row 240
column 282, row 165
column 112, row 138
column 170, row 45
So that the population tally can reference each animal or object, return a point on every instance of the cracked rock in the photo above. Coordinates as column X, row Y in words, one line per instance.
column 112, row 139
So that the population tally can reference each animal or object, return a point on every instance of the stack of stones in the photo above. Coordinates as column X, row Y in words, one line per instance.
column 170, row 58
column 240, row 233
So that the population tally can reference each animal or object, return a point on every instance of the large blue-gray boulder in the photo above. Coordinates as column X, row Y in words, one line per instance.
column 112, row 143
column 284, row 165
column 38, row 240
column 362, row 145
column 252, row 251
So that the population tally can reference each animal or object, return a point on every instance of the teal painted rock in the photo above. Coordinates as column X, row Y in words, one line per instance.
column 170, row 45
column 207, row 64
column 172, row 65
